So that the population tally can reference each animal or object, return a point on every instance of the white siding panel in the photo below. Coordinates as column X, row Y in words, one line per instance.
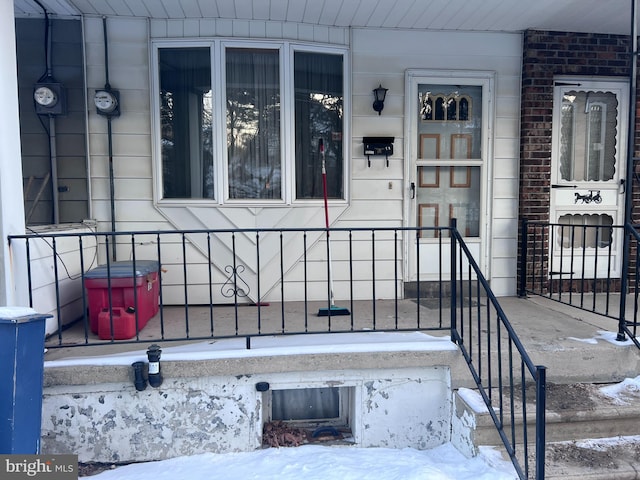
column 125, row 188
column 371, row 211
column 305, row 32
column 506, row 168
column 505, row 228
column 505, row 187
column 505, row 248
column 503, row 287
column 127, row 211
column 158, row 28
column 132, row 167
column 506, row 208
column 506, row 147
column 378, row 56
column 125, row 31
column 502, row 267
column 383, row 56
column 240, row 28
column 273, row 29
column 207, row 27
column 257, row 29
column 192, row 27
column 224, row 27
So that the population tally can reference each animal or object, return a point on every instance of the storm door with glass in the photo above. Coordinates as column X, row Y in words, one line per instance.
column 587, row 178
column 446, row 177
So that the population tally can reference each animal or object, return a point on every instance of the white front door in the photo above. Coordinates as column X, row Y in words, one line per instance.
column 587, row 177
column 449, row 144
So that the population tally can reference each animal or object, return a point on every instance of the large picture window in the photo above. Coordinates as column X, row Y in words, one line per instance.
column 231, row 130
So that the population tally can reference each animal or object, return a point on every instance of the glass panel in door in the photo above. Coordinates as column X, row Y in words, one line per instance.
column 449, row 164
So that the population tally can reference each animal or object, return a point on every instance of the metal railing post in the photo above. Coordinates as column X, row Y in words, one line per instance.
column 541, row 405
column 522, row 291
column 455, row 337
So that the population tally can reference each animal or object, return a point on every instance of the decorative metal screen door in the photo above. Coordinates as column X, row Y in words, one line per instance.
column 587, row 177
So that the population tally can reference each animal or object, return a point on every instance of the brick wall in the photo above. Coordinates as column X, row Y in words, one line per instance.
column 545, row 55
column 549, row 54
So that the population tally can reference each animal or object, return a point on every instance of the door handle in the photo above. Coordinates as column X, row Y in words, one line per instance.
column 555, row 185
column 623, row 186
column 413, row 190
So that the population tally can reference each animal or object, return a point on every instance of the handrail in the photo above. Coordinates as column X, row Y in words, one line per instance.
column 485, row 372
column 269, row 268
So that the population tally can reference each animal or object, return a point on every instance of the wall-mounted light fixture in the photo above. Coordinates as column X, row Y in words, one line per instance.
column 380, row 93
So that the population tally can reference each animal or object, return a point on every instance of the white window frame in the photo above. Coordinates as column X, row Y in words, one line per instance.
column 287, row 50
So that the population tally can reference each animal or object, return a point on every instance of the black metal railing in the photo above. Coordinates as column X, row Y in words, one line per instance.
column 507, row 379
column 590, row 267
column 203, row 284
column 630, row 286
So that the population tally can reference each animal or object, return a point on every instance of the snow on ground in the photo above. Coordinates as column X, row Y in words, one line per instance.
column 622, row 392
column 606, row 336
column 313, row 462
column 277, row 345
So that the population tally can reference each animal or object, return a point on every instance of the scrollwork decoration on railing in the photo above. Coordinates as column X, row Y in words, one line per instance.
column 234, row 286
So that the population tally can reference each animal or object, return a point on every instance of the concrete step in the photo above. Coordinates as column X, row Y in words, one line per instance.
column 616, row 458
column 592, row 430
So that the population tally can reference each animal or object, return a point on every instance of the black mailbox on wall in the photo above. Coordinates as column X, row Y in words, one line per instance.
column 378, row 146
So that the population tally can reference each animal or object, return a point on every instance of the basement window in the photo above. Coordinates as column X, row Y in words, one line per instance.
column 319, row 406
column 309, row 414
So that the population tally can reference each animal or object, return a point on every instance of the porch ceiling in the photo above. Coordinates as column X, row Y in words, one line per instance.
column 600, row 16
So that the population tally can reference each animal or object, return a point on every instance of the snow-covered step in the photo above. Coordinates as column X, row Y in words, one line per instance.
column 592, row 430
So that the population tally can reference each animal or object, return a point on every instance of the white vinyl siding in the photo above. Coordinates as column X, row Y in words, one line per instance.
column 376, row 195
column 383, row 56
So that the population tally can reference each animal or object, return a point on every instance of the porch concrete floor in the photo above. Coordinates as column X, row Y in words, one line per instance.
column 570, row 342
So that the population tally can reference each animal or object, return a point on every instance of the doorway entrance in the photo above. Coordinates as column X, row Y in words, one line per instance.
column 449, row 148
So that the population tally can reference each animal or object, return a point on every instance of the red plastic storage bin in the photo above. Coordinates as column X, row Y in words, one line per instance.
column 131, row 292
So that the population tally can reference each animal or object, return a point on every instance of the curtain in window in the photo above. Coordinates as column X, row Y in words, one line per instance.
column 588, row 136
column 186, row 122
column 253, row 123
column 319, row 98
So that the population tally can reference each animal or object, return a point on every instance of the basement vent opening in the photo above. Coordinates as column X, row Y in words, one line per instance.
column 308, row 415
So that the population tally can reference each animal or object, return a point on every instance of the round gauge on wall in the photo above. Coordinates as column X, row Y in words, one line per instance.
column 45, row 96
column 106, row 102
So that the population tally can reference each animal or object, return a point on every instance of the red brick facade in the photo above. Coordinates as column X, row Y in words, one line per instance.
column 546, row 55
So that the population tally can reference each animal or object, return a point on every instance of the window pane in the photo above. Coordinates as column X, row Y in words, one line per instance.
column 585, row 231
column 319, row 100
column 305, row 404
column 450, row 123
column 186, row 122
column 253, row 123
column 588, row 136
column 450, row 192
